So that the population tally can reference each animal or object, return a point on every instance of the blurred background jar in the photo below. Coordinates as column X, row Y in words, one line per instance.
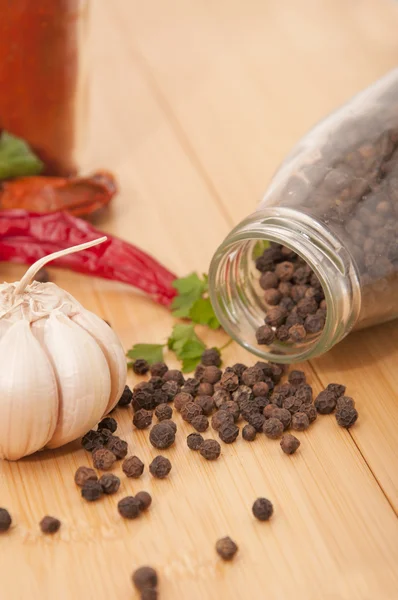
column 43, row 77
column 334, row 203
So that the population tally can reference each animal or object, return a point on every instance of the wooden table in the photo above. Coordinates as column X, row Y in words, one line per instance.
column 194, row 104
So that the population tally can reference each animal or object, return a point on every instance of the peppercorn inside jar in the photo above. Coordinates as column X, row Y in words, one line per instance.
column 320, row 256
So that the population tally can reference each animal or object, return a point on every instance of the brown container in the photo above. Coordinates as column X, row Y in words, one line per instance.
column 43, row 77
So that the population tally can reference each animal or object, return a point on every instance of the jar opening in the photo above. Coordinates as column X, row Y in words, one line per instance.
column 240, row 302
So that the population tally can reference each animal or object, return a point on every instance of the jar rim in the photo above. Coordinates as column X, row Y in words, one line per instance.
column 321, row 250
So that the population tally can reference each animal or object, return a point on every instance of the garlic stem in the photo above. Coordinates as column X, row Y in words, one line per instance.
column 33, row 269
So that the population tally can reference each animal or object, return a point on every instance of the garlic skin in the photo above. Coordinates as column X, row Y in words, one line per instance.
column 62, row 368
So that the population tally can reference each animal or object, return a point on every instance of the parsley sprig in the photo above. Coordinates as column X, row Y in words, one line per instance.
column 192, row 303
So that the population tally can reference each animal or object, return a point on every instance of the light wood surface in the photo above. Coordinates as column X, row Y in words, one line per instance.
column 194, row 103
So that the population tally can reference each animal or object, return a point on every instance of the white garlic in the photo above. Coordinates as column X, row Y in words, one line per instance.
column 62, row 368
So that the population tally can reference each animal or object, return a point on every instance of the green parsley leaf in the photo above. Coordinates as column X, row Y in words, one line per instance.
column 187, row 346
column 16, row 158
column 202, row 312
column 150, row 352
column 190, row 289
column 259, row 248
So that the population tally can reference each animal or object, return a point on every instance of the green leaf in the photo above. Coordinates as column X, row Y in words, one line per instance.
column 193, row 349
column 202, row 312
column 150, row 352
column 259, row 248
column 16, row 158
column 179, row 335
column 190, row 289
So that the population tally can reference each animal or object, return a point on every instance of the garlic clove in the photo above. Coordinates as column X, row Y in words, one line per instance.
column 28, row 393
column 82, row 374
column 112, row 349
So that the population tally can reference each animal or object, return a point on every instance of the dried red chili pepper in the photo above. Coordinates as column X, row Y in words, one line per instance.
column 25, row 237
column 80, row 196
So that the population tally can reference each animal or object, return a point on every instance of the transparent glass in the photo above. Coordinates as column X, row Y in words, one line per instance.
column 334, row 201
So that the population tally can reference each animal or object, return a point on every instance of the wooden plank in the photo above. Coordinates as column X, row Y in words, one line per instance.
column 249, row 99
column 334, row 533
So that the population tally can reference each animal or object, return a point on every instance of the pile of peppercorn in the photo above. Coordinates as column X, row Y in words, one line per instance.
column 221, row 399
column 296, row 305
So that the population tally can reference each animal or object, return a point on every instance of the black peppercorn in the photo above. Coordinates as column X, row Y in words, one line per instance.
column 231, row 407
column 103, row 459
column 273, row 428
column 156, row 382
column 296, row 378
column 314, row 323
column 158, row 369
column 205, row 389
column 297, row 333
column 117, row 446
column 133, row 467
column 282, row 414
column 242, row 394
column 325, row 402
column 238, row 369
column 256, row 420
column 284, row 270
column 292, row 404
column 221, row 417
column 129, row 507
column 194, row 441
column 337, row 389
column 268, row 280
column 200, row 423
column 206, row 403
column 126, row 397
column 228, row 432
column 143, row 386
column 91, row 490
column 210, row 374
column 260, row 389
column 304, row 393
column 108, row 423
column 162, row 435
column 229, row 381
column 211, row 357
column 265, row 335
column 282, row 333
column 181, row 399
column 91, row 440
column 289, row 443
column 300, row 421
column 306, row 306
column 160, row 397
column 142, row 418
column 252, row 375
column 140, row 366
column 191, row 410
column 262, row 509
column 249, row 433
column 171, row 389
column 346, row 416
column 310, row 411
column 163, row 411
column 226, row 548
column 110, row 483
column 84, row 474
column 50, row 525
column 171, row 424
column 210, row 449
column 144, row 499
column 5, row 520
column 272, row 296
column 160, row 467
column 145, row 577
column 191, row 386
column 143, row 399
column 174, row 375
column 345, row 401
column 276, row 316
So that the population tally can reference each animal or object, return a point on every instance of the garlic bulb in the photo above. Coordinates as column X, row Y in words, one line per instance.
column 62, row 368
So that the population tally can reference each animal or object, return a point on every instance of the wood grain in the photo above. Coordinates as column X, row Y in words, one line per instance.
column 193, row 105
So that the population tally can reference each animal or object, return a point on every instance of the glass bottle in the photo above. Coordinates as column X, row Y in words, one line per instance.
column 334, row 202
column 43, row 77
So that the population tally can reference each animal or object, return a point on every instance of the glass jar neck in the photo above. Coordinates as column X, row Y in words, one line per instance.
column 236, row 296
